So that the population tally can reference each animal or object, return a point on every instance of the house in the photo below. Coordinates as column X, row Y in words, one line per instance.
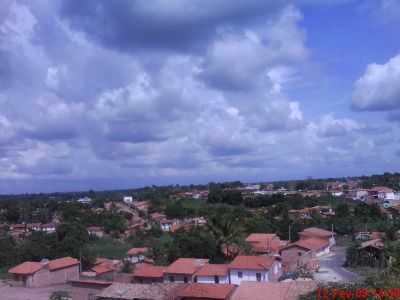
column 87, row 289
column 382, row 193
column 137, row 255
column 136, row 291
column 141, row 205
column 183, row 269
column 266, row 243
column 146, row 273
column 273, row 290
column 105, row 269
column 128, row 199
column 300, row 253
column 213, row 273
column 96, row 231
column 48, row 228
column 206, row 292
column 44, row 273
column 371, row 253
column 314, row 232
column 254, row 268
column 85, row 200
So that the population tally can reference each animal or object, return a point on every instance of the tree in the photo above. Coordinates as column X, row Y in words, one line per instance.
column 70, row 239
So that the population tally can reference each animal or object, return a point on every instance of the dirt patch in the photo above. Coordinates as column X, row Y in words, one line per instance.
column 18, row 293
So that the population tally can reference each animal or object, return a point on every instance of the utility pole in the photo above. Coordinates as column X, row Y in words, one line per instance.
column 290, row 233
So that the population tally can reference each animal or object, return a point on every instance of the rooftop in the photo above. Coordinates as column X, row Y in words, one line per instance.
column 137, row 251
column 213, row 270
column 186, row 266
column 150, row 271
column 207, row 291
column 316, row 232
column 252, row 262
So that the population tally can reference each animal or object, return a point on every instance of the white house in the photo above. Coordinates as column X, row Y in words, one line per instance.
column 128, row 199
column 254, row 268
column 137, row 255
column 183, row 269
column 85, row 200
column 213, row 273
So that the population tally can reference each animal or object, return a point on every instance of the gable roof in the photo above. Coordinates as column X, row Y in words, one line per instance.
column 265, row 242
column 213, row 270
column 206, row 291
column 316, row 232
column 101, row 269
column 61, row 263
column 274, row 290
column 252, row 262
column 150, row 271
column 186, row 266
column 260, row 237
column 137, row 251
column 313, row 244
column 26, row 268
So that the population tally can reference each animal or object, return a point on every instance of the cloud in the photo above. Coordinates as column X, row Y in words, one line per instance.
column 332, row 127
column 379, row 87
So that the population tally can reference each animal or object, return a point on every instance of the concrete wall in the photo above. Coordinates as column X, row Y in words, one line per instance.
column 65, row 275
column 211, row 279
column 247, row 275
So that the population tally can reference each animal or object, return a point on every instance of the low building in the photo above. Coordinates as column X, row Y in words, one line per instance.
column 254, row 268
column 96, row 231
column 128, row 199
column 206, row 292
column 45, row 273
column 183, row 269
column 314, row 232
column 213, row 273
column 137, row 255
column 145, row 273
column 266, row 243
column 87, row 289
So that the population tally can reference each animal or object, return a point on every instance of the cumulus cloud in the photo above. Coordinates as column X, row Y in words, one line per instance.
column 379, row 87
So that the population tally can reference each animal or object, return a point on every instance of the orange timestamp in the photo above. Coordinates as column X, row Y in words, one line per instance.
column 357, row 293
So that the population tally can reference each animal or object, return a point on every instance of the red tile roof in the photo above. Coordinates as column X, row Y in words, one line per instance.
column 137, row 251
column 207, row 291
column 213, row 270
column 260, row 237
column 101, row 269
column 26, row 268
column 252, row 262
column 313, row 244
column 316, row 232
column 186, row 266
column 61, row 263
column 149, row 271
column 273, row 290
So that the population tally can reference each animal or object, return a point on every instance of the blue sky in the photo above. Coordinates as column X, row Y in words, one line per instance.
column 103, row 94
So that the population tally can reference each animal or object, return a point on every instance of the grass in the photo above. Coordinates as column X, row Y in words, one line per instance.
column 107, row 247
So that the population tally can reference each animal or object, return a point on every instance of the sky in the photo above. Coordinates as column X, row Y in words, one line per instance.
column 102, row 94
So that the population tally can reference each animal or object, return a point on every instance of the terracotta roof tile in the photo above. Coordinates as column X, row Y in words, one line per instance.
column 213, row 270
column 252, row 262
column 316, row 232
column 101, row 269
column 26, row 268
column 62, row 263
column 137, row 251
column 186, row 266
column 207, row 291
column 274, row 290
column 149, row 271
column 310, row 244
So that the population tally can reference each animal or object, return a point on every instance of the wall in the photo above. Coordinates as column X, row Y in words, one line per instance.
column 65, row 275
column 178, row 278
column 211, row 279
column 248, row 275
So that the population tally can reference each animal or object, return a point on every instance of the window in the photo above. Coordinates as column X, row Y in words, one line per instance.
column 171, row 279
column 299, row 253
column 240, row 274
column 185, row 279
column 195, row 279
column 216, row 279
column 258, row 276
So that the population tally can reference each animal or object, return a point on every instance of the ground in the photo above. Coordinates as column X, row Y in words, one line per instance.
column 18, row 293
column 331, row 269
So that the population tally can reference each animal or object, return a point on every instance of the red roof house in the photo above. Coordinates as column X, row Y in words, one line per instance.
column 183, row 269
column 206, row 291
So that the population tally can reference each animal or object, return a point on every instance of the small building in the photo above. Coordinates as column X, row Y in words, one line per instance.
column 96, row 231
column 87, row 289
column 183, row 269
column 213, row 273
column 314, row 232
column 206, row 292
column 45, row 273
column 128, row 199
column 146, row 273
column 266, row 243
column 254, row 268
column 137, row 255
